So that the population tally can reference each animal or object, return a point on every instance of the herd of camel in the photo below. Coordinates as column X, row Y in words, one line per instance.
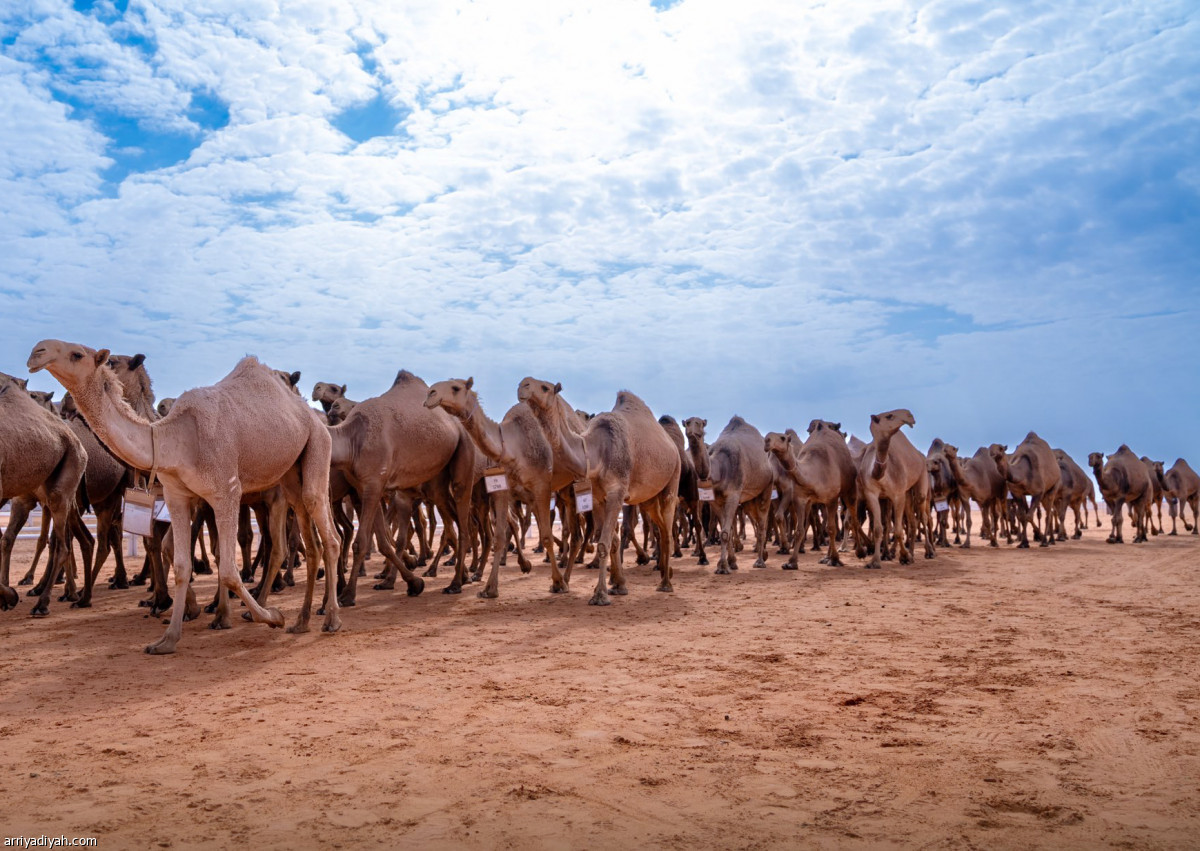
column 252, row 444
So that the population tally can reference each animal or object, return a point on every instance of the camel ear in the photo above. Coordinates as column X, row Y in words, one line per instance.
column 874, row 418
column 558, row 387
column 703, row 423
column 837, row 426
column 21, row 382
column 50, row 397
column 136, row 361
column 470, row 382
column 102, row 357
column 294, row 378
column 343, row 388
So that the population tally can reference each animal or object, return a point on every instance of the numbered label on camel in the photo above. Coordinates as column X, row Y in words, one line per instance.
column 941, row 505
column 495, row 480
column 583, row 496
column 139, row 512
column 705, row 487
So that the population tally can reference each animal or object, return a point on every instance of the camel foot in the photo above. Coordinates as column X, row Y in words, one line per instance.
column 332, row 624
column 478, row 577
column 722, row 570
column 559, row 588
column 618, row 590
column 8, row 598
column 1024, row 545
column 488, row 594
column 68, row 597
column 1172, row 533
column 1077, row 535
column 527, row 568
column 201, row 567
column 760, row 563
column 298, row 628
column 836, row 562
column 704, row 560
column 1044, row 543
column 162, row 647
column 118, row 584
column 452, row 589
column 25, row 580
column 386, row 585
column 344, row 602
column 600, row 599
column 40, row 610
column 138, row 580
column 275, row 618
column 873, row 566
column 81, row 604
column 416, row 587
column 791, row 565
column 666, row 588
column 783, row 551
column 430, row 572
column 222, row 622
column 34, row 592
column 930, row 554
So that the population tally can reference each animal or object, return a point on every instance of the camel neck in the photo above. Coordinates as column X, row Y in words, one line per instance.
column 486, row 433
column 699, row 452
column 569, row 447
column 118, row 427
column 883, row 445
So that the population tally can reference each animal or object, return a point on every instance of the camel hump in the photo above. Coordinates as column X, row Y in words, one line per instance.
column 667, row 420
column 1124, row 447
column 736, row 422
column 937, row 445
column 405, row 377
column 627, row 401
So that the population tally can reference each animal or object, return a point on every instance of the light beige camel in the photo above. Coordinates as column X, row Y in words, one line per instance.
column 821, row 472
column 737, row 466
column 1072, row 496
column 1124, row 480
column 1034, row 480
column 1155, row 469
column 687, row 512
column 42, row 459
column 521, row 448
column 1181, row 486
column 244, row 434
column 892, row 471
column 978, row 479
column 627, row 458
column 393, row 443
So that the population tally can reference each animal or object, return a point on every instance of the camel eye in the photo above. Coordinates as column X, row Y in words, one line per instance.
column 76, row 356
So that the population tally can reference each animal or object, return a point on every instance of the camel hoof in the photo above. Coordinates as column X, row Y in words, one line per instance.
column 873, row 566
column 452, row 589
column 618, row 590
column 703, row 560
column 8, row 598
column 1024, row 545
column 488, row 594
column 116, row 585
column 161, row 648
column 331, row 624
column 347, row 603
column 760, row 563
column 386, row 585
column 930, row 555
column 599, row 600
column 666, row 588
column 416, row 587
column 81, row 604
column 1172, row 533
column 223, row 623
column 202, row 568
column 558, row 589
column 431, row 572
column 41, row 610
column 722, row 571
column 25, row 581
column 527, row 568
column 298, row 628
column 138, row 580
column 791, row 565
column 275, row 618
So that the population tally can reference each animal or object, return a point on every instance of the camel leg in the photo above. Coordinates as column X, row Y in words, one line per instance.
column 87, row 548
column 228, row 574
column 831, row 530
column 18, row 513
column 798, row 532
column 608, row 507
column 661, row 513
column 726, row 507
column 397, row 562
column 545, row 524
column 277, row 513
column 316, row 510
column 759, row 510
column 876, row 514
column 502, row 503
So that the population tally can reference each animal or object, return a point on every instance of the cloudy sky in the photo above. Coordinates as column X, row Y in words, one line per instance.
column 988, row 213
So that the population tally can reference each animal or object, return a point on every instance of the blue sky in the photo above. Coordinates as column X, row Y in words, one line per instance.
column 986, row 213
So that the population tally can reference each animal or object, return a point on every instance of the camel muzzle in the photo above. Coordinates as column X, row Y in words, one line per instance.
column 37, row 360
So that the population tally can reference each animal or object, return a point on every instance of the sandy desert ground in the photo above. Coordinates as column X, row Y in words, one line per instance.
column 986, row 699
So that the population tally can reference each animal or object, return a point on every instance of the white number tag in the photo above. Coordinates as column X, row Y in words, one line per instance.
column 161, row 513
column 774, row 494
column 942, row 505
column 139, row 518
column 495, row 480
column 705, row 488
column 583, row 496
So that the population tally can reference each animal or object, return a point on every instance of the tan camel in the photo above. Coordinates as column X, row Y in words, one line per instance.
column 821, row 472
column 1181, row 486
column 688, row 509
column 327, row 394
column 521, row 448
column 554, row 414
column 241, row 435
column 393, row 443
column 943, row 490
column 1155, row 469
column 892, row 470
column 1073, row 495
column 1032, row 474
column 737, row 466
column 1124, row 480
column 979, row 479
column 164, row 406
column 340, row 409
column 626, row 457
column 42, row 459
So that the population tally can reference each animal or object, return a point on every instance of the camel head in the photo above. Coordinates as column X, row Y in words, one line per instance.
column 950, row 451
column 340, row 409
column 693, row 427
column 534, row 391
column 824, row 425
column 1095, row 459
column 164, row 407
column 71, row 363
column 44, row 398
column 780, row 446
column 454, row 395
column 289, row 379
column 887, row 424
column 325, row 393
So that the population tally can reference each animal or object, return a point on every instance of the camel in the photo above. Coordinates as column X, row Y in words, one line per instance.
column 521, row 448
column 1155, row 468
column 979, row 479
column 943, row 490
column 737, row 466
column 1124, row 480
column 339, row 409
column 44, row 398
column 40, row 458
column 327, row 393
column 1181, row 486
column 892, row 469
column 688, row 510
column 1032, row 473
column 244, row 434
column 1076, row 487
column 392, row 442
column 822, row 472
column 626, row 457
column 164, row 406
